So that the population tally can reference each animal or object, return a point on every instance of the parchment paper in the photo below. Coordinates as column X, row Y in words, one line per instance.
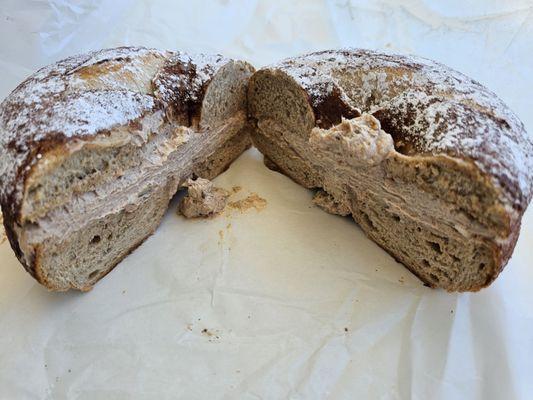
column 286, row 302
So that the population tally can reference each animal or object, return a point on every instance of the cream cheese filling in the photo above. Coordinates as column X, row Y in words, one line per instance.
column 168, row 155
column 358, row 141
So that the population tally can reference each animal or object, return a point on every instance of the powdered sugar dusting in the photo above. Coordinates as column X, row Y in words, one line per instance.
column 432, row 107
column 119, row 54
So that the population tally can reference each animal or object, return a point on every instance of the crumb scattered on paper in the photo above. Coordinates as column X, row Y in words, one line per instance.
column 236, row 189
column 252, row 201
column 203, row 199
column 211, row 334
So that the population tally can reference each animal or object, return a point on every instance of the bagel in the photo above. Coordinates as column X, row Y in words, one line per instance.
column 432, row 166
column 93, row 147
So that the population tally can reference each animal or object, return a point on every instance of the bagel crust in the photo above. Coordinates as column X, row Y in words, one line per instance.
column 446, row 199
column 93, row 147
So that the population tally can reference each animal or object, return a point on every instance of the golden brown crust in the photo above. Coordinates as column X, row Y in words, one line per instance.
column 9, row 227
column 38, row 273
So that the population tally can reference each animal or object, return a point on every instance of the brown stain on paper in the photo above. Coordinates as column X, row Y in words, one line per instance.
column 252, row 201
column 212, row 335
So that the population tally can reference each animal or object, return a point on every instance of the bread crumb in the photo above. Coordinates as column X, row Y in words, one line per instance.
column 236, row 189
column 203, row 199
column 211, row 335
column 252, row 201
